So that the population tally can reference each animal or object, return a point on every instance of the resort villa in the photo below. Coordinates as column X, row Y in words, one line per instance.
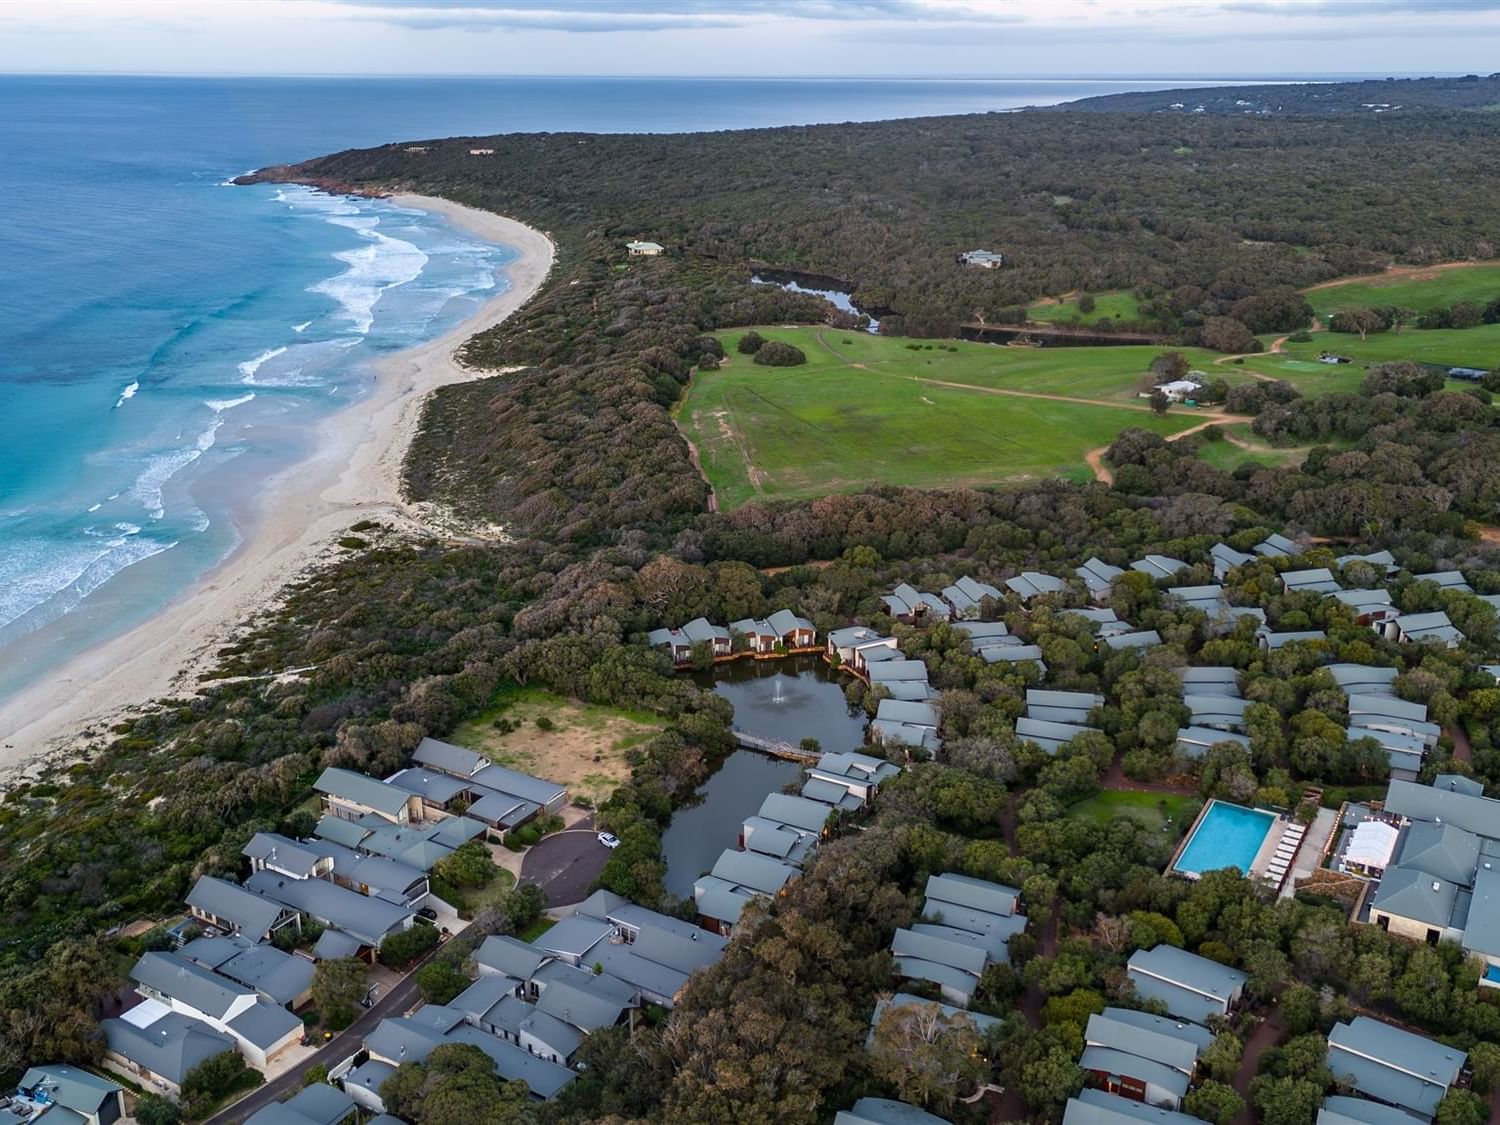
column 1192, row 987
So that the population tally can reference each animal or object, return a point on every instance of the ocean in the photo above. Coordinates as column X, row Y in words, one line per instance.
column 168, row 342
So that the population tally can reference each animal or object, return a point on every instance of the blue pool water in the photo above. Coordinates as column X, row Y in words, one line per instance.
column 1226, row 836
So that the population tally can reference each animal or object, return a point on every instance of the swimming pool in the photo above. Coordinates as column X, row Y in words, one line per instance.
column 1226, row 836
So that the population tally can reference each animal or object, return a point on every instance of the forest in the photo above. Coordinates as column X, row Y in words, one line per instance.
column 576, row 454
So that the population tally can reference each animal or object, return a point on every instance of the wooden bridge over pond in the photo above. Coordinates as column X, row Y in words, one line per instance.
column 775, row 747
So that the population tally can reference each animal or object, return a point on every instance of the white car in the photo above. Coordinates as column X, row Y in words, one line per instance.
column 609, row 839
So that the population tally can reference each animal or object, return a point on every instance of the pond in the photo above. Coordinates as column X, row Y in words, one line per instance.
column 787, row 700
column 835, row 297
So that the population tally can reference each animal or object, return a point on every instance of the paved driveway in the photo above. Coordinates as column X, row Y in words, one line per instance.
column 566, row 864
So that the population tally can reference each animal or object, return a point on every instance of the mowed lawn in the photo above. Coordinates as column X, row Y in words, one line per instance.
column 1419, row 291
column 1447, row 347
column 1116, row 306
column 833, row 425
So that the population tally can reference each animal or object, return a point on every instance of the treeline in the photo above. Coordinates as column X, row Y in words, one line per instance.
column 1309, row 99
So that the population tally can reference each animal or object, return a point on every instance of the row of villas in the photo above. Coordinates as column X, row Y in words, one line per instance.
column 777, row 841
column 363, row 875
column 533, row 1004
column 779, row 634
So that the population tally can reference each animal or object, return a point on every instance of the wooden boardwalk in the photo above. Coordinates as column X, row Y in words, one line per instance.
column 775, row 747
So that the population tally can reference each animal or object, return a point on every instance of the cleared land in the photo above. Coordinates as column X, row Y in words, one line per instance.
column 585, row 749
column 1413, row 288
column 1151, row 809
column 920, row 413
column 1115, row 306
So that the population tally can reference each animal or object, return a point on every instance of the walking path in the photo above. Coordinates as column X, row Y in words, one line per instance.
column 1265, row 1036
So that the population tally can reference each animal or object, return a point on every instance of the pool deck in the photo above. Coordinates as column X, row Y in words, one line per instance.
column 1263, row 855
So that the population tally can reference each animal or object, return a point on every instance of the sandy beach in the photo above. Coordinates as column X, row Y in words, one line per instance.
column 354, row 474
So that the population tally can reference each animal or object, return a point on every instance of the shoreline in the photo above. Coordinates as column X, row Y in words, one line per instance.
column 353, row 473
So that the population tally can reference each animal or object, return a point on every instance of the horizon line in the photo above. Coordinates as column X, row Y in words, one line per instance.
column 1237, row 78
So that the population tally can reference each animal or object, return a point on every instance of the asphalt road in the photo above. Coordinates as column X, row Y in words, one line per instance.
column 566, row 864
column 340, row 1047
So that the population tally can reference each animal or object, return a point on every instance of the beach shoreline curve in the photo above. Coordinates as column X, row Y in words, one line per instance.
column 354, row 472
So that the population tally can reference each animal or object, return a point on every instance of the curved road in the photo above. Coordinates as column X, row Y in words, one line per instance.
column 566, row 863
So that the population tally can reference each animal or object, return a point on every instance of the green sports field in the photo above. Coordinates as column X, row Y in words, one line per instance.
column 868, row 409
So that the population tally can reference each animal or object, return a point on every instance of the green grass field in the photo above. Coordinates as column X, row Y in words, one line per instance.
column 868, row 409
column 1116, row 306
column 1227, row 456
column 1151, row 809
column 1419, row 291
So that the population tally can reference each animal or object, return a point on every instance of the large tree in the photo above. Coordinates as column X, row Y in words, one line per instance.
column 926, row 1055
column 338, row 987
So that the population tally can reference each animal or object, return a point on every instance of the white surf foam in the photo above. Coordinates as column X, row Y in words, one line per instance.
column 303, row 327
column 44, row 583
column 127, row 394
column 219, row 405
column 382, row 265
column 251, row 366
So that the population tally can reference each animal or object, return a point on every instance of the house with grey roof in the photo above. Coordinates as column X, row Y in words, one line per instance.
column 405, row 1039
column 1339, row 1109
column 966, row 597
column 1363, row 679
column 237, row 910
column 437, row 790
column 776, row 840
column 1050, row 736
column 1399, row 1068
column 965, row 926
column 1062, row 706
column 914, row 607
column 272, row 851
column 1446, row 580
column 1034, row 584
column 981, row 1022
column 1368, row 606
column 1271, row 641
column 1143, row 638
column 1159, row 568
column 158, row 1048
column 503, row 955
column 793, row 631
column 352, row 796
column 362, row 1083
column 885, row 1111
column 1225, row 558
column 316, row 1104
column 364, row 917
column 737, row 879
column 1385, row 712
column 1014, row 654
column 1193, row 742
column 1192, row 987
column 859, row 775
column 1139, row 1055
column 906, row 723
column 447, row 758
column 495, row 778
column 1277, row 546
column 571, row 939
column 1319, row 580
column 653, row 953
column 1098, row 1107
column 1106, row 620
column 261, row 1030
column 841, row 643
column 700, row 630
column 1423, row 628
column 71, row 1095
column 942, row 955
column 1481, row 936
column 1097, row 577
column 1219, row 681
column 674, row 642
column 1221, row 710
column 1382, row 561
column 284, row 979
column 760, row 637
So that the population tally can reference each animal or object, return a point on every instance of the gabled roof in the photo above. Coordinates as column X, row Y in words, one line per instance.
column 702, row 629
column 1226, row 558
column 1095, row 1107
column 1223, row 681
column 1319, row 580
column 1098, row 575
column 940, row 949
column 884, row 1111
column 362, row 790
column 1113, row 1061
column 784, row 621
column 335, row 945
column 1376, row 559
column 511, row 956
column 1277, row 546
column 903, row 711
column 243, row 908
column 1447, row 579
column 1480, row 815
column 1158, row 566
column 281, row 976
column 1031, row 583
column 430, row 785
column 1195, row 986
column 449, row 758
column 366, row 918
column 1363, row 600
column 583, row 998
column 265, row 1024
column 1428, row 627
column 1145, row 638
column 1209, row 709
column 977, row 894
column 1444, row 850
column 286, row 854
column 1161, row 1042
column 1048, row 735
column 1367, row 679
column 1274, row 641
column 516, row 784
column 1011, row 654
column 1339, row 1110
column 317, row 1104
column 70, row 1087
column 574, row 936
column 1193, row 741
column 170, row 1047
column 753, row 872
column 890, row 671
column 188, row 983
column 798, row 812
column 1393, row 1065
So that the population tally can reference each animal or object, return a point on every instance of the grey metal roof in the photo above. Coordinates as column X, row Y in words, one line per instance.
column 484, row 994
column 1447, row 579
column 1338, row 1110
column 1366, row 678
column 1274, row 641
column 1048, row 735
column 1194, row 740
column 502, row 809
column 1192, row 987
column 1095, row 1107
column 902, row 711
column 287, row 854
column 361, row 916
column 1011, row 654
column 754, row 872
column 509, row 955
column 702, row 629
column 563, row 1038
column 1319, row 580
column 768, row 837
column 1031, row 583
column 1480, row 815
column 784, row 621
column 341, row 831
column 170, row 1047
column 1158, row 566
column 940, row 949
column 799, row 812
column 891, row 670
column 1112, row 1061
column 243, row 909
column 370, row 1075
column 188, row 983
column 961, row 982
column 583, row 998
column 1200, row 1037
column 574, row 936
column 70, row 1087
column 854, row 766
column 851, row 635
column 1444, row 850
column 265, row 1024
column 884, row 1111
column 1160, row 1042
column 1277, row 545
column 830, row 793
column 977, row 894
column 1363, row 599
column 720, row 900
column 1097, row 575
column 517, row 784
column 362, row 790
column 281, row 976
column 980, row 1021
column 1392, row 1065
column 1409, row 893
column 1224, row 681
column 1482, row 927
column 1458, row 783
column 1216, row 710
column 430, row 785
column 445, row 756
column 1144, row 638
column 335, row 945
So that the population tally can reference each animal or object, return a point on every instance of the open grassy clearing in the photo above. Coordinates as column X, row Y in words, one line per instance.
column 1116, row 306
column 1151, row 809
column 1229, row 455
column 871, row 410
column 1418, row 290
column 585, row 749
column 1450, row 347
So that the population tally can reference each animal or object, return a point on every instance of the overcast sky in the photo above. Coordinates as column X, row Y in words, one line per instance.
column 998, row 38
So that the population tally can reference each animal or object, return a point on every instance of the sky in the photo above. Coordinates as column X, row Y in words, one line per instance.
column 882, row 38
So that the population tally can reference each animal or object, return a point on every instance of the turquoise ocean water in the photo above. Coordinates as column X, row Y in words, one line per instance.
column 167, row 341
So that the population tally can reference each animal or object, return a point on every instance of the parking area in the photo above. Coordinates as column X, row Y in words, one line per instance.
column 566, row 863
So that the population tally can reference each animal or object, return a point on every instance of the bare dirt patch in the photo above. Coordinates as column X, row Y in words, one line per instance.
column 585, row 750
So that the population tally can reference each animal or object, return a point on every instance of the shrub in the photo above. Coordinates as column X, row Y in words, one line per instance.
column 776, row 354
column 543, row 722
column 750, row 343
column 403, row 947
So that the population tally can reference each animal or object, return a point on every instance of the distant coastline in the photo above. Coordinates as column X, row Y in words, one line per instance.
column 353, row 473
